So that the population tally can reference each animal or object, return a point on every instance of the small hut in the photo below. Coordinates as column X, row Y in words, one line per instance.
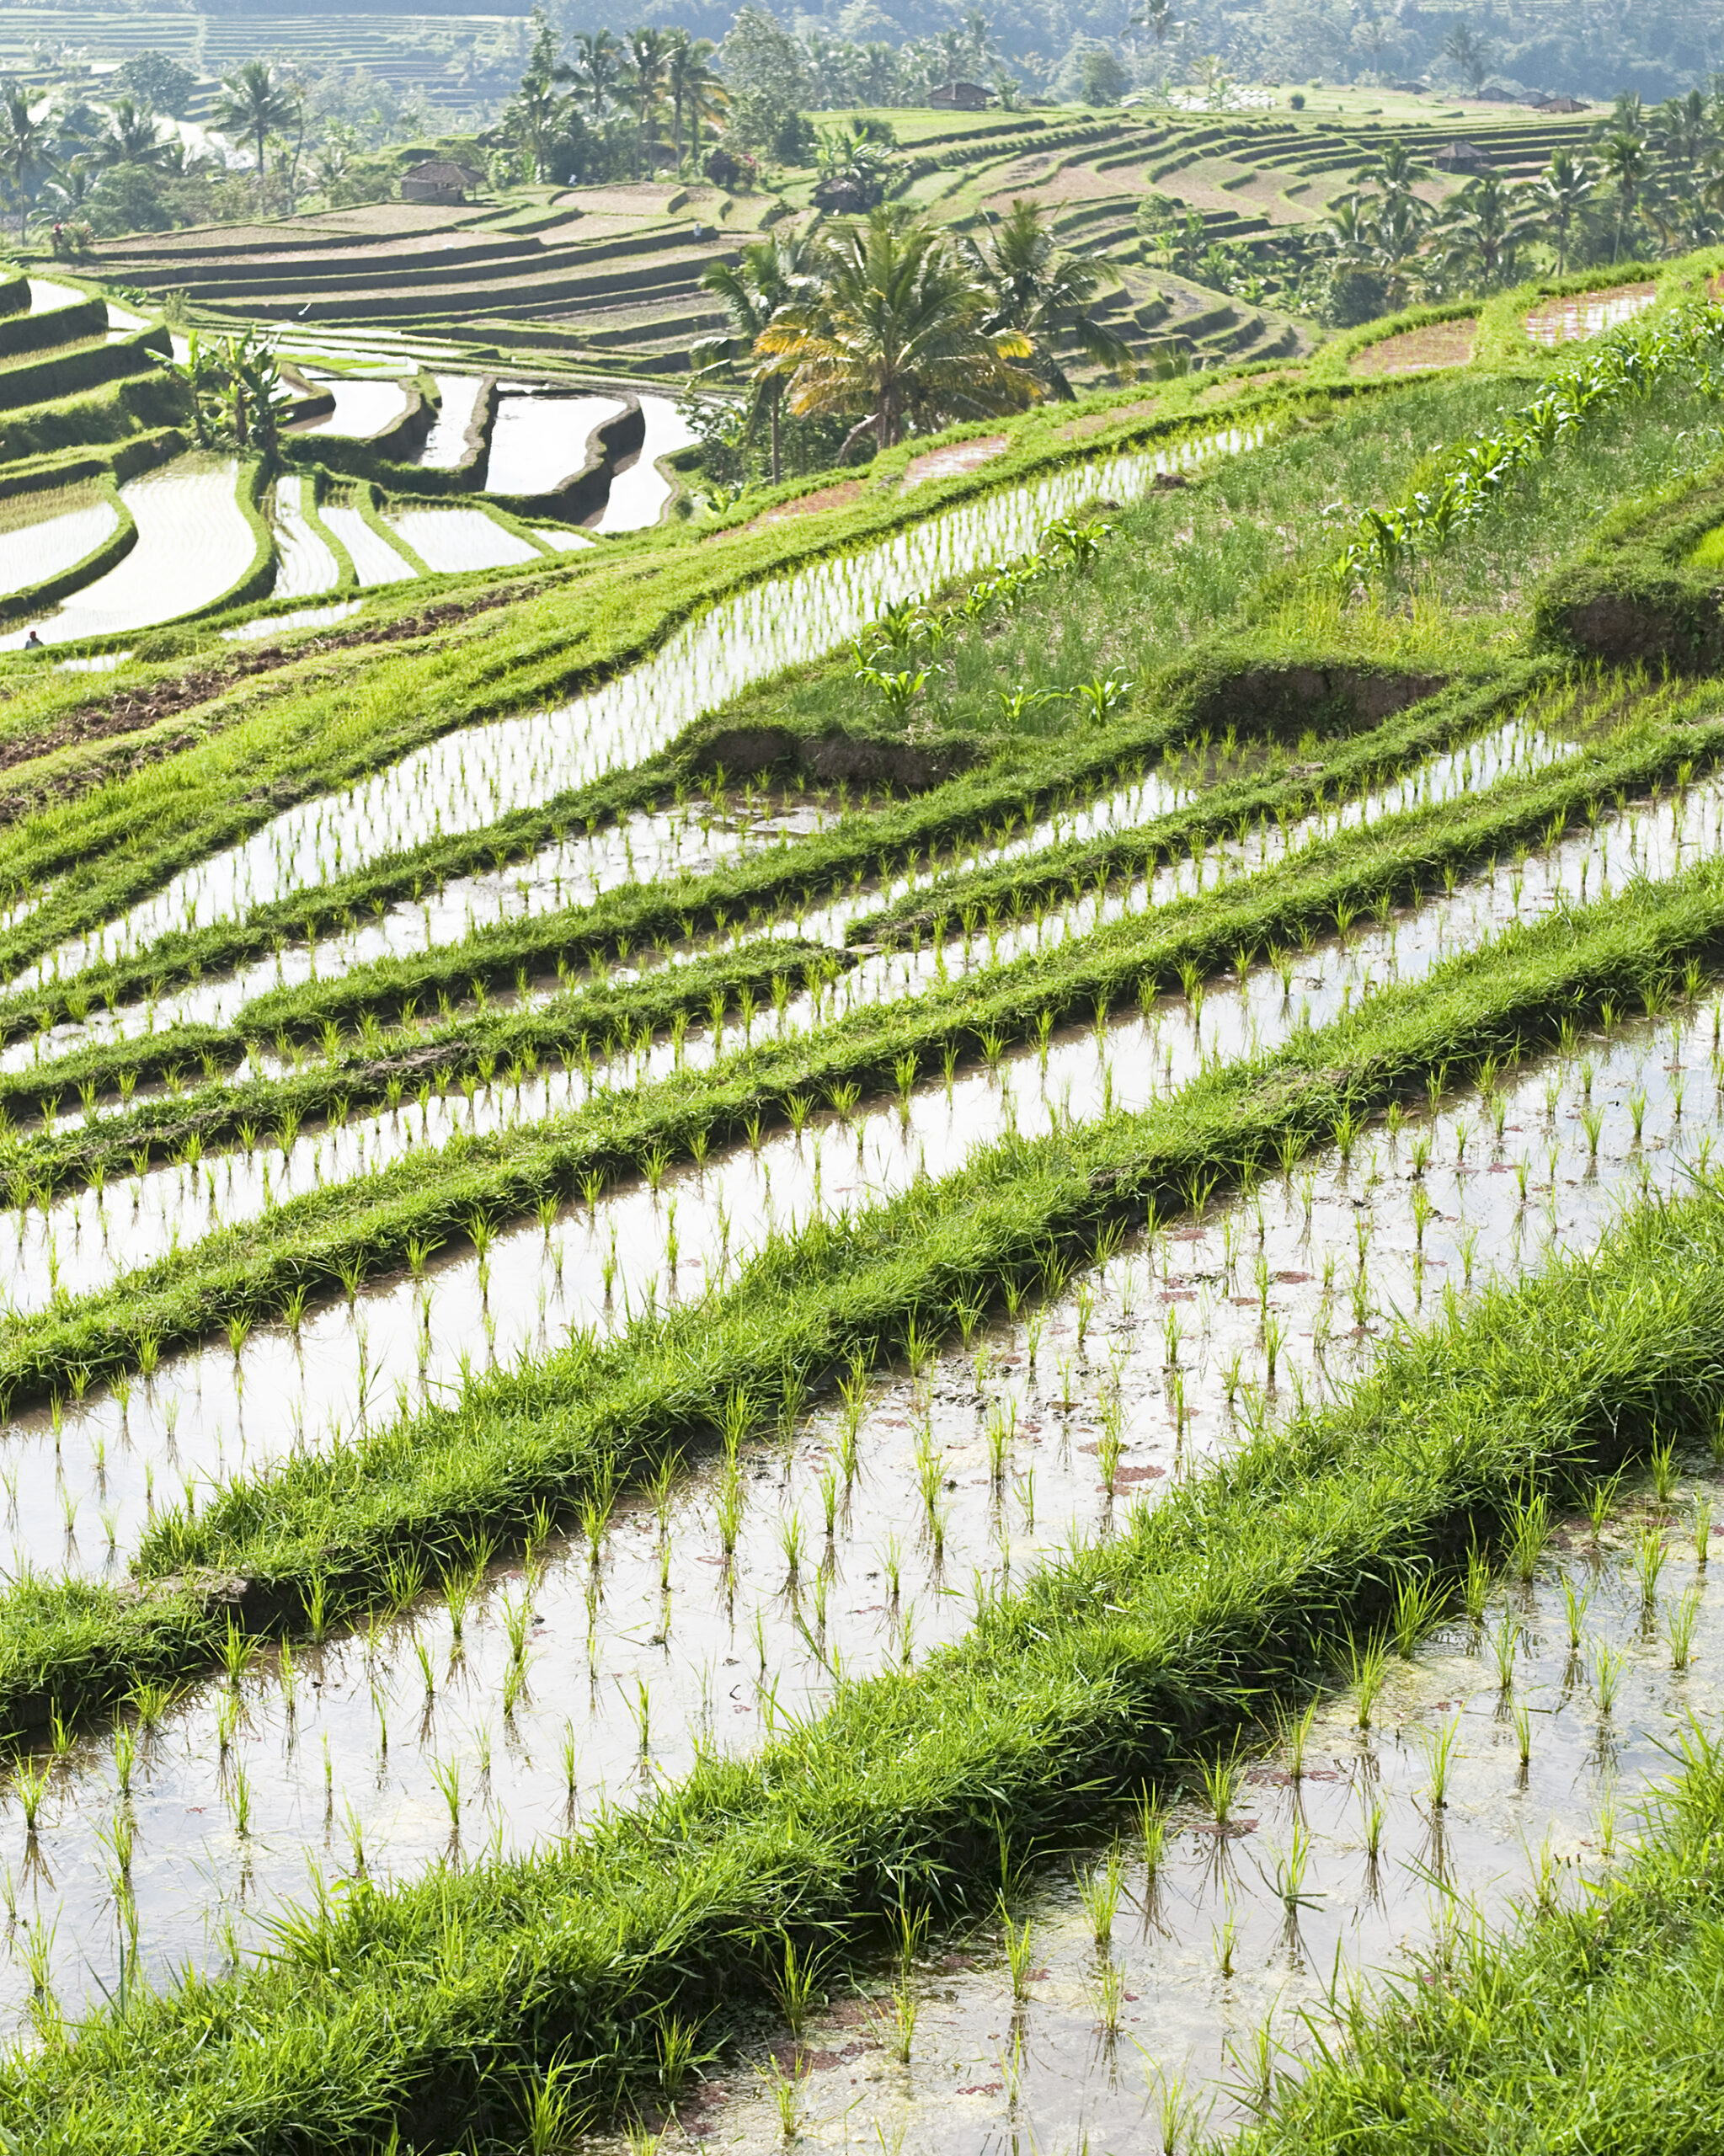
column 960, row 97
column 441, row 180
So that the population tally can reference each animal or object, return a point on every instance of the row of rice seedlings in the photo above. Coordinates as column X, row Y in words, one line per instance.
column 93, row 1156
column 607, row 1279
column 640, row 1244
column 277, row 1393
column 865, row 853
column 650, row 847
column 1200, row 1955
column 875, row 1529
column 1539, row 730
column 1092, row 1605
column 49, row 1261
column 477, row 775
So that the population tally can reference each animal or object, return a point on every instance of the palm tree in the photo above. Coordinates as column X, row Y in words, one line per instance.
column 1560, row 193
column 897, row 332
column 1467, row 50
column 132, row 135
column 695, row 90
column 1623, row 155
column 1683, row 128
column 1482, row 230
column 753, row 293
column 598, row 69
column 648, row 60
column 26, row 149
column 255, row 102
column 1043, row 291
column 1396, row 168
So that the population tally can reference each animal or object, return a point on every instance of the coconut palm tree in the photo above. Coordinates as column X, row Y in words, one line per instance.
column 753, row 293
column 255, row 102
column 597, row 69
column 1559, row 195
column 1044, row 292
column 26, row 149
column 1481, row 232
column 648, row 61
column 1467, row 50
column 1396, row 169
column 132, row 136
column 693, row 85
column 896, row 332
column 1623, row 155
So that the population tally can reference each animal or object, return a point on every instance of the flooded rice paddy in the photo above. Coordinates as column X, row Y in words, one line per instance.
column 304, row 564
column 640, row 492
column 374, row 561
column 362, row 408
column 478, row 774
column 541, row 440
column 32, row 553
column 859, row 1540
column 193, row 543
column 456, row 539
column 447, row 443
column 105, row 1462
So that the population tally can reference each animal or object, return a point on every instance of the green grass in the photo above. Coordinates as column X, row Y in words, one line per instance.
column 431, row 2009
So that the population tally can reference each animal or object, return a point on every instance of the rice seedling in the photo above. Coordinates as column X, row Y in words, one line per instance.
column 1650, row 1552
column 1020, row 1951
column 1100, row 1890
column 1680, row 1625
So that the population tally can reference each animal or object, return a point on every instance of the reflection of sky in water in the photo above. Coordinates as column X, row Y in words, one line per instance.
column 480, row 773
column 1176, row 1330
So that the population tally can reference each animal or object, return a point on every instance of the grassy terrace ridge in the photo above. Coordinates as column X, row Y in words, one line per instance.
column 1396, row 860
column 337, row 1534
column 429, row 2009
column 326, row 720
column 1590, row 2026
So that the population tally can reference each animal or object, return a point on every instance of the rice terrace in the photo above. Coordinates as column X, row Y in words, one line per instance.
column 861, row 1081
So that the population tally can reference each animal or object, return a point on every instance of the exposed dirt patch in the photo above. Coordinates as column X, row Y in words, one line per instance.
column 1438, row 344
column 135, row 711
column 946, row 464
column 864, row 759
column 1093, row 423
column 834, row 497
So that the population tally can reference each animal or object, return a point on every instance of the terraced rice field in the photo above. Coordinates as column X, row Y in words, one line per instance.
column 194, row 544
column 59, row 534
column 541, row 441
column 913, row 1344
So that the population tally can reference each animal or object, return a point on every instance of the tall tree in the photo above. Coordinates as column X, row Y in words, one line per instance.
column 598, row 69
column 693, row 85
column 648, row 60
column 1468, row 50
column 1559, row 195
column 255, row 102
column 896, row 332
column 26, row 149
column 1623, row 156
column 1482, row 231
column 753, row 293
column 132, row 136
column 1046, row 294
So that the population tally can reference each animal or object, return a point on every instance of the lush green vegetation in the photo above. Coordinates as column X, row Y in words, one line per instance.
column 429, row 2004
